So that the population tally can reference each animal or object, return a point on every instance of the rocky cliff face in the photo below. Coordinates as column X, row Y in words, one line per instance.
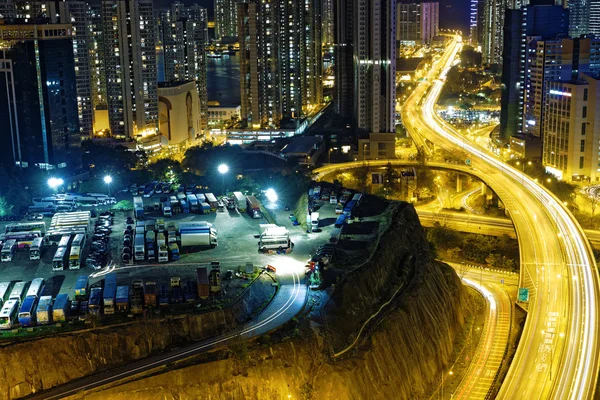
column 41, row 364
column 400, row 360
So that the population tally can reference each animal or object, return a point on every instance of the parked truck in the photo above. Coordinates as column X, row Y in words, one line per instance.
column 110, row 292
column 203, row 283
column 204, row 208
column 198, row 233
column 163, row 254
column 82, row 288
column 95, row 303
column 212, row 201
column 137, row 301
column 166, row 209
column 139, row 247
column 193, row 202
column 240, row 201
column 138, row 207
column 150, row 294
column 314, row 221
column 253, row 207
column 189, row 291
column 163, row 295
column 150, row 236
column 123, row 298
column 174, row 250
column 160, row 239
column 61, row 308
column 44, row 310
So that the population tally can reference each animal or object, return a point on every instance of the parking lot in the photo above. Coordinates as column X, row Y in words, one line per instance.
column 238, row 236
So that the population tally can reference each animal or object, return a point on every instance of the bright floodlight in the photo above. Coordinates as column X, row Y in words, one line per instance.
column 108, row 179
column 223, row 168
column 55, row 182
column 271, row 195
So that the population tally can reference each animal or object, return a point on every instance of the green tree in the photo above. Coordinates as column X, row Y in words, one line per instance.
column 5, row 207
column 165, row 170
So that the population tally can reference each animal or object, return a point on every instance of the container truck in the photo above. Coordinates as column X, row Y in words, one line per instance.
column 199, row 233
column 160, row 225
column 171, row 235
column 193, row 202
column 137, row 302
column 340, row 221
column 201, row 198
column 189, row 291
column 240, row 201
column 253, row 207
column 43, row 313
column 122, row 300
column 349, row 208
column 204, row 208
column 138, row 207
column 160, row 239
column 163, row 254
column 110, row 291
column 163, row 295
column 314, row 221
column 212, row 201
column 150, row 236
column 203, row 283
column 27, row 315
column 150, row 294
column 174, row 250
column 139, row 247
column 95, row 302
column 82, row 288
column 61, row 308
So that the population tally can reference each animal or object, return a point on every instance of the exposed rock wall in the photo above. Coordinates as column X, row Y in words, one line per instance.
column 400, row 360
column 44, row 363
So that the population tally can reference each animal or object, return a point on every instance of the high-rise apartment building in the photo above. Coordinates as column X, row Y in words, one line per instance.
column 73, row 12
column 572, row 132
column 365, row 63
column 522, row 30
column 128, row 28
column 96, row 56
column 280, row 60
column 328, row 21
column 476, row 22
column 183, row 38
column 417, row 22
column 493, row 23
column 38, row 97
column 226, row 21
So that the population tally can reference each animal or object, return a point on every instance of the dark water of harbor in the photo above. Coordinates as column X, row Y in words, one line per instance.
column 223, row 80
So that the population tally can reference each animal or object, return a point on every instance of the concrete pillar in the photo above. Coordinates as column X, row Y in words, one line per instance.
column 458, row 184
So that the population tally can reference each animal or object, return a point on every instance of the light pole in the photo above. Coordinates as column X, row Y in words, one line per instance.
column 365, row 152
column 330, row 150
column 54, row 183
column 443, row 373
column 223, row 169
column 108, row 181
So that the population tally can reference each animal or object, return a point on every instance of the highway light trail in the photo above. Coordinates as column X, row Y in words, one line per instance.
column 576, row 357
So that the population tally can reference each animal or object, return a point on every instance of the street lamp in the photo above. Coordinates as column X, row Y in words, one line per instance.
column 54, row 183
column 223, row 169
column 271, row 195
column 108, row 181
column 449, row 373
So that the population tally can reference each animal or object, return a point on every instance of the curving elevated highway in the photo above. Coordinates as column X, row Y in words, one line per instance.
column 558, row 355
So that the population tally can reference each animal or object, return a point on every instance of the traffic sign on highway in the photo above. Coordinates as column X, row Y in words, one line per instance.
column 468, row 161
column 524, row 295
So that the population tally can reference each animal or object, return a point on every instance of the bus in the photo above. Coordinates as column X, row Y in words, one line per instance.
column 54, row 236
column 64, row 241
column 61, row 259
column 8, row 314
column 8, row 250
column 27, row 227
column 35, row 250
column 274, row 238
column 27, row 311
column 87, row 202
column 35, row 288
column 4, row 291
column 75, row 255
column 18, row 291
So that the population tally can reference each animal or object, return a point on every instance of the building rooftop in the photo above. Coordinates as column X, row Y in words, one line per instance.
column 302, row 145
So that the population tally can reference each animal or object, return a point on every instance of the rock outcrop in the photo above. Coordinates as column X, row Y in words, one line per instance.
column 40, row 364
